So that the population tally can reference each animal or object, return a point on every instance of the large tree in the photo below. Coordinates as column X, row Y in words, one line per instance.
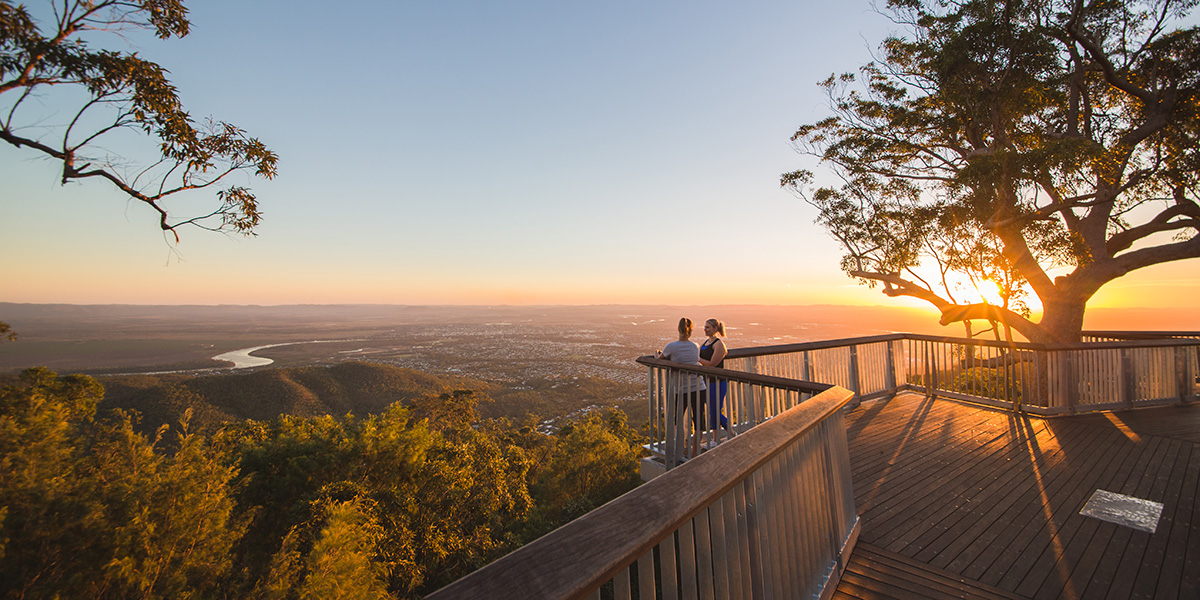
column 65, row 100
column 1047, row 146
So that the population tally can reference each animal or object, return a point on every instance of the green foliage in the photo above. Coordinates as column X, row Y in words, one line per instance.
column 392, row 504
column 115, row 91
column 584, row 465
column 342, row 564
column 94, row 509
column 1004, row 140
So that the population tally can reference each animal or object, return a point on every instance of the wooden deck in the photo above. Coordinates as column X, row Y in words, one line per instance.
column 965, row 502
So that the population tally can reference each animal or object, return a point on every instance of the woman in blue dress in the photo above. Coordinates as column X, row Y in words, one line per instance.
column 712, row 354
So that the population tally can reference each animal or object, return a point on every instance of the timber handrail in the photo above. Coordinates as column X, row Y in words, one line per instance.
column 575, row 560
column 1122, row 369
column 783, row 383
column 1131, row 340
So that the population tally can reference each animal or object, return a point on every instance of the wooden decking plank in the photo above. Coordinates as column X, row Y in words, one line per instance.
column 1089, row 538
column 873, row 575
column 911, row 506
column 1031, row 541
column 917, row 571
column 1055, row 564
column 1056, row 576
column 927, row 419
column 1029, row 560
column 1002, row 497
column 1190, row 586
column 926, row 445
column 1135, row 554
column 1003, row 544
column 875, row 450
column 1179, row 422
column 1180, row 514
column 1175, row 559
column 1010, row 568
column 1101, row 583
column 911, row 484
column 980, row 545
column 1169, row 486
column 926, row 504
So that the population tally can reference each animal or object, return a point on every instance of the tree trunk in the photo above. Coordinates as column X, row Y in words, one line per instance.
column 1062, row 322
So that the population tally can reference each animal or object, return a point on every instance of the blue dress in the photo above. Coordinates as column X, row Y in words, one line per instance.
column 716, row 393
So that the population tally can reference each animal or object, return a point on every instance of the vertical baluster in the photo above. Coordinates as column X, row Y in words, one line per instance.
column 687, row 562
column 646, row 579
column 748, row 538
column 622, row 589
column 720, row 550
column 855, row 380
column 889, row 375
column 671, row 419
column 1183, row 386
column 668, row 571
column 704, row 556
column 736, row 560
column 794, row 509
column 776, row 548
column 754, row 536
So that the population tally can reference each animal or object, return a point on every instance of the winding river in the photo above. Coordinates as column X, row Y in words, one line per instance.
column 241, row 359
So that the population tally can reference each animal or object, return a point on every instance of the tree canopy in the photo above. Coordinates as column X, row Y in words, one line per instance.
column 66, row 100
column 389, row 505
column 1045, row 146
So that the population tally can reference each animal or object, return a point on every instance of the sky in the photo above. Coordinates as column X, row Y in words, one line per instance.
column 482, row 152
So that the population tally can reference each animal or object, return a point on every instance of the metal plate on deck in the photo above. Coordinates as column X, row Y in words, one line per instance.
column 1136, row 513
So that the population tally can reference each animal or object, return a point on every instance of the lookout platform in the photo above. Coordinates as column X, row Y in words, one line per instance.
column 962, row 501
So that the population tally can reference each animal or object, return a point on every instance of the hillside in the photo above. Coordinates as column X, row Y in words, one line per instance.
column 360, row 388
column 352, row 387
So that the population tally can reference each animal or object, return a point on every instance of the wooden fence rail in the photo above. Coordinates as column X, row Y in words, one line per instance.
column 770, row 514
column 1112, row 370
column 693, row 407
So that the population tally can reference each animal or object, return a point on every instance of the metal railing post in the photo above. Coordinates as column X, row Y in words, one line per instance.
column 1128, row 379
column 889, row 378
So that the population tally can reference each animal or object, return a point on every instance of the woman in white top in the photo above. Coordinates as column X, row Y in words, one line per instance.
column 688, row 387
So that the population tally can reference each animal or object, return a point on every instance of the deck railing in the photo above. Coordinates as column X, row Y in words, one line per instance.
column 694, row 407
column 769, row 514
column 1119, row 370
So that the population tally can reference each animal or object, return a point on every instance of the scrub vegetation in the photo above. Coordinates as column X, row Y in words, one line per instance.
column 394, row 502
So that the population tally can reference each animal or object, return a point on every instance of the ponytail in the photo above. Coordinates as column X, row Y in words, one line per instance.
column 685, row 327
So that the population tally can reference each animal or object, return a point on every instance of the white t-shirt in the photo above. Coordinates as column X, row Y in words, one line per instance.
column 688, row 353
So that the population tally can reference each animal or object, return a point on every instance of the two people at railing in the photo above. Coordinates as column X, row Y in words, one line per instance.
column 691, row 388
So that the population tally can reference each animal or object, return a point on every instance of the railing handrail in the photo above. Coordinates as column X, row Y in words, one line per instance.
column 1143, row 335
column 794, row 385
column 1160, row 338
column 568, row 569
column 818, row 345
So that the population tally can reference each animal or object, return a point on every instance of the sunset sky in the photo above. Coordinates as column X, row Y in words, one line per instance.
column 481, row 152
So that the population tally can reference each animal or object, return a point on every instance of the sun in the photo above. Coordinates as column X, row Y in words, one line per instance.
column 989, row 292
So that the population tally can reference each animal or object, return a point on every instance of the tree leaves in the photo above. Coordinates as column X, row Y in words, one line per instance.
column 123, row 92
column 287, row 508
column 1006, row 140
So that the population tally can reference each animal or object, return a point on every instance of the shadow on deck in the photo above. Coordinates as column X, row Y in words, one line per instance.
column 959, row 501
